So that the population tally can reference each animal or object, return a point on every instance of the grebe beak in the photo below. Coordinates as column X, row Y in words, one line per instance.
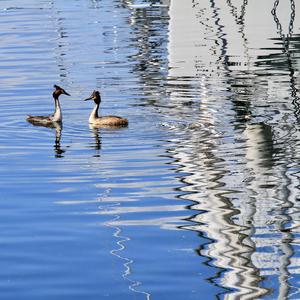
column 64, row 92
column 89, row 98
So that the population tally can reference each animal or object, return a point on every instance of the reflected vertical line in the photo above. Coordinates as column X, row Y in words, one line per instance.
column 241, row 114
column 288, row 204
column 60, row 49
column 245, row 278
column 231, row 247
column 240, row 21
column 221, row 35
column 287, row 238
column 286, row 45
column 259, row 158
column 121, row 244
column 213, row 219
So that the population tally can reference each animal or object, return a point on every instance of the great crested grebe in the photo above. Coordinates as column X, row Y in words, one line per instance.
column 56, row 116
column 105, row 121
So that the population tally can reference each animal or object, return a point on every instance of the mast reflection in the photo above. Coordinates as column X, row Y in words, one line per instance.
column 238, row 191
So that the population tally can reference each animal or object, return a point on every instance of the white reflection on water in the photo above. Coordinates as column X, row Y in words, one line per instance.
column 127, row 262
column 121, row 243
column 242, row 176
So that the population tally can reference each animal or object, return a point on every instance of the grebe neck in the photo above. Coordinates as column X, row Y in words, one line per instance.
column 94, row 113
column 57, row 116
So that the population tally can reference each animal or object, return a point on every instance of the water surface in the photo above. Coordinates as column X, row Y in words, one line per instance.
column 198, row 197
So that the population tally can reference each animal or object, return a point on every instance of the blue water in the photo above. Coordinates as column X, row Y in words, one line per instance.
column 198, row 198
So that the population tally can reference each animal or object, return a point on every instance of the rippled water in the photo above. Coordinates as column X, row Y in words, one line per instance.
column 198, row 198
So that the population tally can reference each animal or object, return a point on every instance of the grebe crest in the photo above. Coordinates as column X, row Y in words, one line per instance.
column 58, row 91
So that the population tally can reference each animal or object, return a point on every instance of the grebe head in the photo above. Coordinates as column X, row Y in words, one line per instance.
column 95, row 96
column 58, row 91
